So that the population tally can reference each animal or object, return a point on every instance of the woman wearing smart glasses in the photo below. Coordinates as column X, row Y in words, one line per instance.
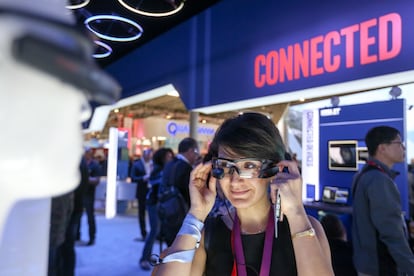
column 269, row 232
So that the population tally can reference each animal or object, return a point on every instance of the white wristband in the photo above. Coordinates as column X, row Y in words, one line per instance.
column 185, row 256
column 195, row 221
column 193, row 227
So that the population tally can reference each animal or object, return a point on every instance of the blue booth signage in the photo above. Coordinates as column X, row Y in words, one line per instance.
column 290, row 46
column 174, row 128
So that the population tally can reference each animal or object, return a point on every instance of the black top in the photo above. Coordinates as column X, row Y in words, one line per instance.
column 94, row 170
column 155, row 180
column 138, row 173
column 82, row 187
column 220, row 256
column 341, row 253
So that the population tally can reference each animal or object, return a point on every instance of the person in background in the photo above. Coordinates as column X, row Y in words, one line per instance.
column 68, row 247
column 61, row 210
column 249, row 241
column 410, row 172
column 161, row 157
column 103, row 162
column 411, row 201
column 177, row 174
column 188, row 155
column 94, row 171
column 341, row 249
column 140, row 172
column 379, row 234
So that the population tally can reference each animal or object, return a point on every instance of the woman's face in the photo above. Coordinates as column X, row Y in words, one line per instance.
column 240, row 191
column 168, row 157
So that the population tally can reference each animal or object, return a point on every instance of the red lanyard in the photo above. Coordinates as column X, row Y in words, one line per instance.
column 239, row 265
column 373, row 164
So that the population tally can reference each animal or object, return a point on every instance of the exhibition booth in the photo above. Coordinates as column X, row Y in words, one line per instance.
column 334, row 151
column 288, row 57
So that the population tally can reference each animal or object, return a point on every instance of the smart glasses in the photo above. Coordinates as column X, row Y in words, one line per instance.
column 245, row 167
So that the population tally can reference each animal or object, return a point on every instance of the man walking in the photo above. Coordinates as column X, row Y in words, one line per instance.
column 379, row 233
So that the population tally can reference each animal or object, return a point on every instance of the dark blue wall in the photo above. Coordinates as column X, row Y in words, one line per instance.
column 210, row 57
column 352, row 123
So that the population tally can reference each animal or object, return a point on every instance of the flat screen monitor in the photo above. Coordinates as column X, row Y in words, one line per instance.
column 343, row 155
column 362, row 154
column 335, row 195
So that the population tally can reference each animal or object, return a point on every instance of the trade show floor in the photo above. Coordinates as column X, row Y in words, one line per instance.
column 115, row 252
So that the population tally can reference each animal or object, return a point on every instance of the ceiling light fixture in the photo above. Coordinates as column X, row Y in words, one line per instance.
column 80, row 5
column 152, row 14
column 107, row 50
column 92, row 22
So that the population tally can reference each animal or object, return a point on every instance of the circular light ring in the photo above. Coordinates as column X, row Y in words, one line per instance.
column 78, row 6
column 116, row 18
column 153, row 14
column 104, row 46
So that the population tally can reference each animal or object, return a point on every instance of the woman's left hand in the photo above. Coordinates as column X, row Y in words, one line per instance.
column 289, row 186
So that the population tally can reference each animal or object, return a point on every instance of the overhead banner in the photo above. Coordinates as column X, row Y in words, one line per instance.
column 289, row 46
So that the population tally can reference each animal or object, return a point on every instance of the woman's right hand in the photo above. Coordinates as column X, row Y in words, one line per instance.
column 202, row 194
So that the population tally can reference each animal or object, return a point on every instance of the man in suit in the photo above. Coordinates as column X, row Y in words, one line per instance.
column 140, row 172
column 68, row 252
column 177, row 173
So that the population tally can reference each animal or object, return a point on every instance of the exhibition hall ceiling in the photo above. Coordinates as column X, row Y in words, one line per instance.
column 172, row 108
column 122, row 26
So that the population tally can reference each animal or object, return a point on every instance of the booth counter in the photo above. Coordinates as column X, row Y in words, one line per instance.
column 125, row 195
column 328, row 207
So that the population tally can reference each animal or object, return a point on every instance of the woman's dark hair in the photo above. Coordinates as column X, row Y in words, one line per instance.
column 158, row 158
column 379, row 135
column 250, row 135
column 212, row 152
column 333, row 226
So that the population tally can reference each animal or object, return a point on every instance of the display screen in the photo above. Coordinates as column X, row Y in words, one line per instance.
column 335, row 195
column 343, row 155
column 362, row 155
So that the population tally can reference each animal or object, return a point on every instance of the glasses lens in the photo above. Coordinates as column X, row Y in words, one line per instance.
column 246, row 168
column 224, row 165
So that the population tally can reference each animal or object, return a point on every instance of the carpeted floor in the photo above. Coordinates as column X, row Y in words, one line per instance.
column 115, row 252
